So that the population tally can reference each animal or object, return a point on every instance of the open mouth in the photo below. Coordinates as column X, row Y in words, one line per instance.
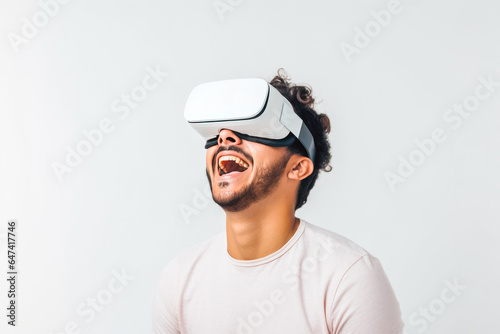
column 231, row 164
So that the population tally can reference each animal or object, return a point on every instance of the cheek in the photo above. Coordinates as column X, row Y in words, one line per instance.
column 265, row 155
column 209, row 157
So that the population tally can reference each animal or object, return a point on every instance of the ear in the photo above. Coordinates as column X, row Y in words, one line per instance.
column 302, row 167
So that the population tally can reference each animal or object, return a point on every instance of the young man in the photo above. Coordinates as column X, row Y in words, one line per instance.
column 271, row 272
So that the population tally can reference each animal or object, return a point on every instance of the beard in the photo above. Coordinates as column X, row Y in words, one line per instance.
column 263, row 184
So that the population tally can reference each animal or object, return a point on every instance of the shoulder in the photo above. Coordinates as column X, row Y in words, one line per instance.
column 341, row 259
column 357, row 281
column 338, row 248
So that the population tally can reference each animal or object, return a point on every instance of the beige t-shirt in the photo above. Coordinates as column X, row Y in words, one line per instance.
column 318, row 282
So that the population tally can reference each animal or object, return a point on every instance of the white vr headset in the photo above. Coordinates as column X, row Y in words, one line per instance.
column 251, row 108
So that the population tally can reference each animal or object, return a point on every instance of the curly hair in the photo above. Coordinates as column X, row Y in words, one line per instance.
column 319, row 124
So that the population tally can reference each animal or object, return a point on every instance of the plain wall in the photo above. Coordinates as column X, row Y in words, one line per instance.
column 137, row 198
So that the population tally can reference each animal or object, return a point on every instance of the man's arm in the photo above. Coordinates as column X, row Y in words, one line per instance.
column 164, row 315
column 365, row 301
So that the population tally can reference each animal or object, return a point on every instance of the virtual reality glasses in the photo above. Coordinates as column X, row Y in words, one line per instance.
column 251, row 108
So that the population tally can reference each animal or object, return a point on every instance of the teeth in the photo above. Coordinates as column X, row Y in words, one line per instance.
column 233, row 158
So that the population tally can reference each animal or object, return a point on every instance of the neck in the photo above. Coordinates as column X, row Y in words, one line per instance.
column 260, row 230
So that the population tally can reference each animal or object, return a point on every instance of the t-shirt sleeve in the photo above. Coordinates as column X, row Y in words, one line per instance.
column 164, row 313
column 364, row 301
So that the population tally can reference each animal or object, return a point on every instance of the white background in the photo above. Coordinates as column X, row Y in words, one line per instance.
column 120, row 207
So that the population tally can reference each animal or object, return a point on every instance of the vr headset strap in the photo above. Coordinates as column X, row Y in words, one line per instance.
column 296, row 125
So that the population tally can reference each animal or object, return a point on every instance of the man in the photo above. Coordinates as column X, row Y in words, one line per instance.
column 271, row 272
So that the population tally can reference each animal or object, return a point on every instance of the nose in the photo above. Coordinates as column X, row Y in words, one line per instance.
column 228, row 137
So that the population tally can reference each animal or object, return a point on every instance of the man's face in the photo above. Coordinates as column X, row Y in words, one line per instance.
column 241, row 172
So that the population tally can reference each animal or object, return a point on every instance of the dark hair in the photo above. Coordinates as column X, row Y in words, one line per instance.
column 319, row 124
